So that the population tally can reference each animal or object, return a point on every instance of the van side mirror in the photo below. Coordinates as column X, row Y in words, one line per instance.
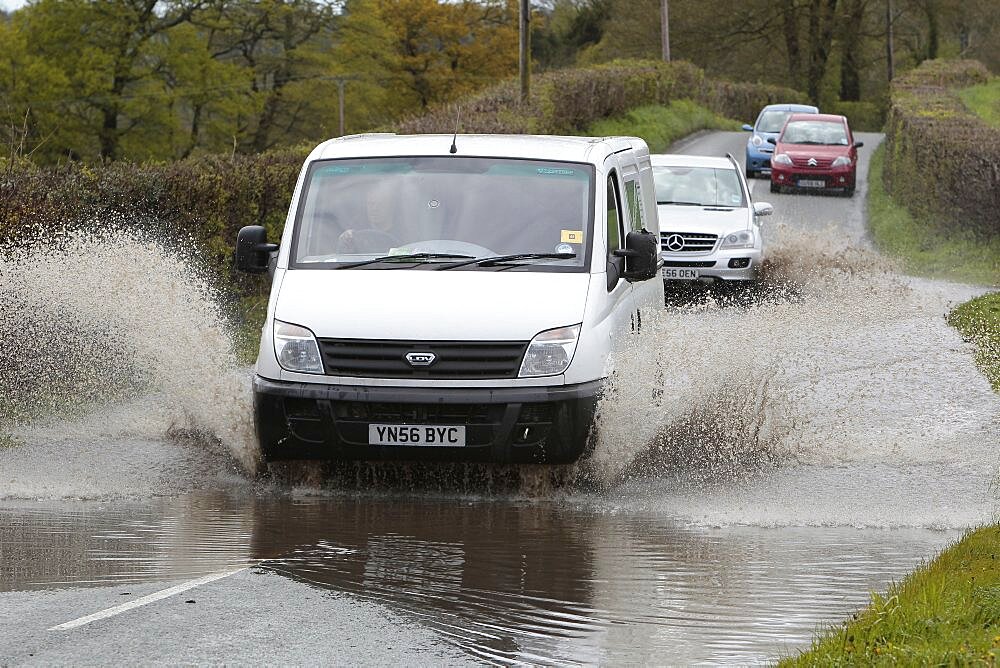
column 772, row 140
column 748, row 127
column 642, row 256
column 253, row 253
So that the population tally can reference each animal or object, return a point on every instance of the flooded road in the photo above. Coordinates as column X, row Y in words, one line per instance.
column 580, row 580
column 812, row 447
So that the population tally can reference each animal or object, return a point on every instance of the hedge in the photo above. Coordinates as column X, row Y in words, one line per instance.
column 206, row 200
column 568, row 101
column 942, row 160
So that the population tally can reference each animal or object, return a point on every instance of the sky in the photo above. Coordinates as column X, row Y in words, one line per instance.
column 8, row 5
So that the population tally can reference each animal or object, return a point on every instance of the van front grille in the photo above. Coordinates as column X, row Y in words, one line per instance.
column 371, row 358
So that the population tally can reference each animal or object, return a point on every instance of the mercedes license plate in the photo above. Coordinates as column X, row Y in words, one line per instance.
column 680, row 273
column 812, row 183
column 407, row 434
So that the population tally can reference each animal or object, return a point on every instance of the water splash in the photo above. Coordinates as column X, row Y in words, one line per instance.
column 850, row 389
column 90, row 319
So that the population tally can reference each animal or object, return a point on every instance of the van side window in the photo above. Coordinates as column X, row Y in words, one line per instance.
column 614, row 214
column 633, row 195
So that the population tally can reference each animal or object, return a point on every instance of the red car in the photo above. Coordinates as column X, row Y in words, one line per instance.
column 815, row 152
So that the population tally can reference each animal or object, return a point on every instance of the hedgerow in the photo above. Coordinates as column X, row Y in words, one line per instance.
column 568, row 101
column 204, row 201
column 942, row 160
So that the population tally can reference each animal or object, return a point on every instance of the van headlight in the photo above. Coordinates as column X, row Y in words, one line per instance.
column 550, row 352
column 740, row 239
column 296, row 348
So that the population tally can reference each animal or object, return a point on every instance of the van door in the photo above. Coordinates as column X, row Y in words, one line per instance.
column 619, row 289
column 640, row 205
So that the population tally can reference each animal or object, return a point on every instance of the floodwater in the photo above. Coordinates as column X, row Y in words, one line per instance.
column 581, row 580
column 760, row 466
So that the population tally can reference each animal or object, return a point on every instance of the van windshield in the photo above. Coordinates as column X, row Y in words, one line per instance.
column 438, row 210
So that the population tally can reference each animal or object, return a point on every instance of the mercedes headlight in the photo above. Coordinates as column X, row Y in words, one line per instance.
column 757, row 140
column 841, row 161
column 740, row 239
column 296, row 348
column 550, row 352
column 782, row 159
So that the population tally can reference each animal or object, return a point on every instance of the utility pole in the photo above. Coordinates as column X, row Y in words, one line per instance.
column 341, row 83
column 665, row 28
column 340, row 99
column 888, row 39
column 524, row 44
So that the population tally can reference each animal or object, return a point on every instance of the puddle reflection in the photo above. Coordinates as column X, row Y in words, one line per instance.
column 506, row 581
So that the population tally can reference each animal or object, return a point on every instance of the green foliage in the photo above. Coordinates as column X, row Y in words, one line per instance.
column 925, row 248
column 984, row 101
column 863, row 116
column 942, row 157
column 97, row 80
column 978, row 320
column 945, row 613
column 660, row 126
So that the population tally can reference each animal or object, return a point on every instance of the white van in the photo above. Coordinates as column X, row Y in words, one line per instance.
column 452, row 298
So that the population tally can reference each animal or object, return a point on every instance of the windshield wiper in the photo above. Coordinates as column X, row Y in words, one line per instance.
column 682, row 203
column 411, row 257
column 502, row 259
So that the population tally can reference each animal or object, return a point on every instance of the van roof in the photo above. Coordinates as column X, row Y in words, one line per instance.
column 539, row 147
column 678, row 160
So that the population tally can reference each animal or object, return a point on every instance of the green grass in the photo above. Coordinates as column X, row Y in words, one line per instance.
column 984, row 100
column 979, row 322
column 923, row 250
column 944, row 613
column 660, row 126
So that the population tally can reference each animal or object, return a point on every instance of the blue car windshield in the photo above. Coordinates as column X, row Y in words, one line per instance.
column 772, row 121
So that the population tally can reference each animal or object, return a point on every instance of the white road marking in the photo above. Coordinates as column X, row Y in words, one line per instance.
column 145, row 600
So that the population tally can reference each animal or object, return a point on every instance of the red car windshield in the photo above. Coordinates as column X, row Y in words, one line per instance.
column 815, row 132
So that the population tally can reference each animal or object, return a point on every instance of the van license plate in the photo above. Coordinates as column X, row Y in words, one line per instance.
column 680, row 273
column 812, row 183
column 405, row 434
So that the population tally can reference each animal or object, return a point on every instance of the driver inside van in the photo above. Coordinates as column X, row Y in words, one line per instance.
column 380, row 216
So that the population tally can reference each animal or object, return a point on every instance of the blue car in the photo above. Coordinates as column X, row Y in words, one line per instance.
column 769, row 123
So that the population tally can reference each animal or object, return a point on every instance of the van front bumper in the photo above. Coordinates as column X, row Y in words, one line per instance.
column 504, row 425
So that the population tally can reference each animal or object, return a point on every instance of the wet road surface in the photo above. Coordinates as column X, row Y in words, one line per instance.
column 814, row 448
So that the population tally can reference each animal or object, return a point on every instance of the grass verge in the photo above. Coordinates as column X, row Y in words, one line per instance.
column 984, row 101
column 945, row 613
column 660, row 126
column 978, row 320
column 923, row 250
